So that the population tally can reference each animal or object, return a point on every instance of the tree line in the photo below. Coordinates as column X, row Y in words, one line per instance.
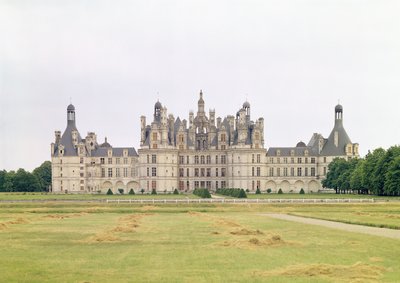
column 378, row 173
column 23, row 181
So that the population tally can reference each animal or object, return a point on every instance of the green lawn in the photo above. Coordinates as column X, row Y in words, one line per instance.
column 86, row 242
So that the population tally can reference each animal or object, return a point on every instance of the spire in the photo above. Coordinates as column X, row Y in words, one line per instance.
column 71, row 115
column 200, row 103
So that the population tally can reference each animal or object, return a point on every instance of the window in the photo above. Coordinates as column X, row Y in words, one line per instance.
column 299, row 172
column 81, row 160
column 153, row 185
column 117, row 173
column 285, row 160
column 187, row 185
column 125, row 160
column 312, row 160
column 324, row 171
column 208, row 159
column 252, row 171
column 181, row 159
column 208, row 172
column 271, row 172
column 155, row 136
column 133, row 172
column 208, row 184
column 110, row 160
column 154, row 158
column 223, row 159
column 196, row 159
column 271, row 160
column 181, row 172
column 153, row 171
column 292, row 160
column 313, row 172
column 117, row 160
column 196, row 172
column 196, row 184
column 258, row 184
column 306, row 172
column 223, row 147
column 324, row 159
column 125, row 172
column 306, row 160
column 102, row 160
column 187, row 159
column 285, row 173
column 148, row 158
column 187, row 172
column 258, row 158
column 278, row 160
column 202, row 171
column 252, row 158
column 181, row 147
column 299, row 160
column 278, row 172
column 291, row 171
column 223, row 138
column 258, row 171
column 81, row 174
column 181, row 185
column 181, row 138
column 202, row 159
column 109, row 172
column 216, row 184
column 216, row 172
column 223, row 184
column 154, row 146
column 223, row 172
column 103, row 172
column 148, row 171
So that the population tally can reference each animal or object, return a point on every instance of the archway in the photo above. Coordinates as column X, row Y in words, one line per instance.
column 271, row 185
column 132, row 185
column 313, row 186
column 106, row 185
column 298, row 185
column 285, row 186
column 119, row 186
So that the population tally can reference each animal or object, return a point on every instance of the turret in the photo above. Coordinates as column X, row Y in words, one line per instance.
column 71, row 115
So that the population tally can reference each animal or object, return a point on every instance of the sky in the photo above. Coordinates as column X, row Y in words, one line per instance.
column 292, row 60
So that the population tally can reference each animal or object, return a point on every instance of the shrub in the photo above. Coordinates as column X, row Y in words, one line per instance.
column 301, row 191
column 258, row 192
column 142, row 191
column 109, row 192
column 131, row 192
column 280, row 191
column 121, row 191
column 247, row 190
column 153, row 192
column 203, row 193
column 236, row 193
column 176, row 192
column 269, row 191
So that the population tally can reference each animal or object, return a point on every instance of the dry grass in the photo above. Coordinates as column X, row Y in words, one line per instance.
column 103, row 237
column 243, row 231
column 376, row 259
column 357, row 272
column 271, row 240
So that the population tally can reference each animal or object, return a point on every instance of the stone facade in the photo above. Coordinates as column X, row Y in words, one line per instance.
column 201, row 152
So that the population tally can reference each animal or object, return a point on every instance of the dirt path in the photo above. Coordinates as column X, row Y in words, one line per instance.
column 383, row 232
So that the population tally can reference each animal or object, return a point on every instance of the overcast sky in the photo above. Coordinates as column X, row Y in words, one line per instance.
column 292, row 60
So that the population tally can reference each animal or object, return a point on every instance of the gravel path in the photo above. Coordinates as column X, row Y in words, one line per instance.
column 383, row 232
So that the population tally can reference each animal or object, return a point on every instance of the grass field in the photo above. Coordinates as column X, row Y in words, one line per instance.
column 95, row 242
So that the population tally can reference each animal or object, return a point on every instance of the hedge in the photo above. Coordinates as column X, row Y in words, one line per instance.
column 236, row 193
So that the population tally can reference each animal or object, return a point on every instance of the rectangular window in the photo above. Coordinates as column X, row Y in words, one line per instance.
column 202, row 159
column 208, row 159
column 196, row 159
column 103, row 172
column 285, row 160
column 324, row 171
column 187, row 172
column 133, row 172
column 258, row 158
column 252, row 171
column 299, row 160
column 216, row 159
column 202, row 171
column 125, row 160
column 154, row 136
column 153, row 171
column 187, row 159
column 312, row 160
column 154, row 158
column 181, row 185
column 292, row 172
column 252, row 185
column 117, row 173
column 187, row 185
column 285, row 172
column 110, row 160
column 299, row 172
column 148, row 171
column 306, row 160
column 81, row 160
column 208, row 184
column 313, row 172
column 181, row 159
column 223, row 184
column 324, row 161
column 181, row 172
column 216, row 172
column 196, row 184
column 271, row 172
column 216, row 184
column 109, row 172
column 258, row 184
column 154, row 185
column 278, row 160
column 292, row 160
column 278, row 172
column 81, row 174
column 125, row 172
column 208, row 172
column 271, row 160
column 223, row 147
column 306, row 172
column 102, row 160
column 148, row 158
column 252, row 158
column 258, row 171
column 223, row 172
column 223, row 159
column 196, row 172
column 117, row 160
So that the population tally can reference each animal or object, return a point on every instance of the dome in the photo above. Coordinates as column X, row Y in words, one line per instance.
column 158, row 105
column 246, row 105
column 301, row 144
column 105, row 144
column 71, row 107
column 339, row 108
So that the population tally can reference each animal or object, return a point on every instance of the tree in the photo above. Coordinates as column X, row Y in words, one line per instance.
column 382, row 168
column 280, row 191
column 153, row 192
column 8, row 185
column 43, row 174
column 357, row 178
column 369, row 170
column 121, row 191
column 392, row 178
column 176, row 191
column 242, row 194
column 109, row 192
column 301, row 191
column 142, row 191
column 25, row 182
column 269, row 191
column 258, row 192
column 3, row 174
column 131, row 192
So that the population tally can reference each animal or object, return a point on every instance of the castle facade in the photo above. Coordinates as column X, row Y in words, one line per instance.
column 201, row 152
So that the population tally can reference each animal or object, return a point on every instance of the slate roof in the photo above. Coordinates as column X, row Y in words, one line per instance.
column 330, row 149
column 66, row 141
column 116, row 151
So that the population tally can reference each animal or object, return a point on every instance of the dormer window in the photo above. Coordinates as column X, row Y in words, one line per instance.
column 292, row 152
column 278, row 153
